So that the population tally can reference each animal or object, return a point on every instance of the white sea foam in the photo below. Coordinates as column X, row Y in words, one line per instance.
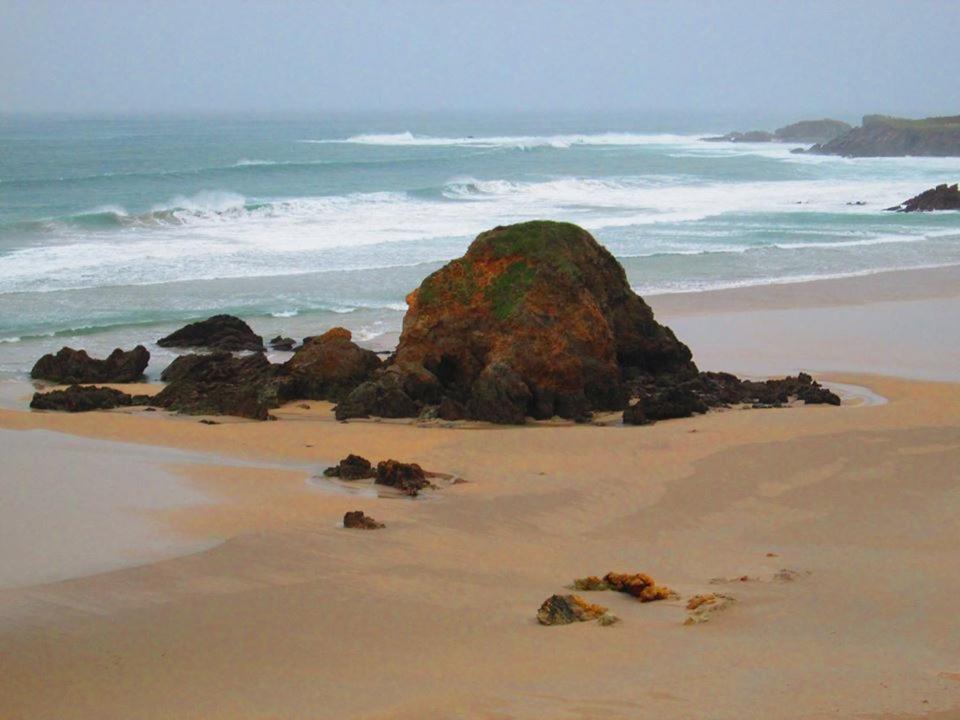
column 514, row 141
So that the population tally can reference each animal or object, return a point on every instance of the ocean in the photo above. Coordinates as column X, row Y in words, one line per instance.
column 114, row 231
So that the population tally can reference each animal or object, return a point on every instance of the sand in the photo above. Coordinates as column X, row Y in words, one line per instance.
column 434, row 617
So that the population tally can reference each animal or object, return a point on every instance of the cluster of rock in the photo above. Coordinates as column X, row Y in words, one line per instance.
column 884, row 136
column 69, row 366
column 408, row 478
column 942, row 197
column 638, row 585
column 535, row 320
column 805, row 131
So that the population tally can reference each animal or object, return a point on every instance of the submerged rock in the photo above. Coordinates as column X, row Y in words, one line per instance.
column 220, row 384
column 328, row 367
column 220, row 332
column 355, row 519
column 942, row 197
column 69, row 366
column 409, row 478
column 566, row 609
column 352, row 467
column 81, row 398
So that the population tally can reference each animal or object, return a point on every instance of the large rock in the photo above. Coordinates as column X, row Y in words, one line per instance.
column 942, row 197
column 221, row 384
column 328, row 367
column 883, row 136
column 536, row 319
column 220, row 332
column 812, row 131
column 82, row 398
column 69, row 366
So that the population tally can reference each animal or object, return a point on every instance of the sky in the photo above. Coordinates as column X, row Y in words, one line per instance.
column 808, row 58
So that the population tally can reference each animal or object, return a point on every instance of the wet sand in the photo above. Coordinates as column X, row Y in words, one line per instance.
column 433, row 617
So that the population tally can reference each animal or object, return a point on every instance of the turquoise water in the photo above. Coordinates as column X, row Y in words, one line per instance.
column 115, row 230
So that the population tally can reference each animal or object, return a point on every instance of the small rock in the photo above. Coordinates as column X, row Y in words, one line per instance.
column 208, row 422
column 282, row 343
column 355, row 519
column 566, row 609
column 409, row 478
column 352, row 467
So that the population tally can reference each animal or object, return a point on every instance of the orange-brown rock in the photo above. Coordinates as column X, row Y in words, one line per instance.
column 697, row 600
column 409, row 478
column 327, row 367
column 537, row 319
column 566, row 609
column 640, row 585
column 356, row 520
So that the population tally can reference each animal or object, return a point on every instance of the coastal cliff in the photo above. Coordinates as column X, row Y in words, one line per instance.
column 884, row 136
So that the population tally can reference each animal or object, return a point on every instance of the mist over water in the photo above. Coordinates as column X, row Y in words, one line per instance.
column 113, row 230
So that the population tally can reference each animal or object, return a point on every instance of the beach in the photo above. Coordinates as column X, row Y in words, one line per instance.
column 832, row 528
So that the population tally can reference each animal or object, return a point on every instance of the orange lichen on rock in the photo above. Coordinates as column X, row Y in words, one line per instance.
column 590, row 583
column 566, row 609
column 698, row 600
column 640, row 585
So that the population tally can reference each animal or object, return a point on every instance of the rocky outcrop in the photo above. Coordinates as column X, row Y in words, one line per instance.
column 220, row 332
column 282, row 343
column 408, row 478
column 638, row 585
column 537, row 319
column 83, row 398
column 942, row 197
column 221, row 384
column 356, row 520
column 883, row 136
column 328, row 367
column 352, row 467
column 69, row 366
column 812, row 131
column 660, row 401
column 567, row 609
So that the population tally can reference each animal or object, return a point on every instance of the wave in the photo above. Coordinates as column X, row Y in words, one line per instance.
column 512, row 141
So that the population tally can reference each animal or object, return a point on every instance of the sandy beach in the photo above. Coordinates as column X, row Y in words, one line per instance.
column 833, row 529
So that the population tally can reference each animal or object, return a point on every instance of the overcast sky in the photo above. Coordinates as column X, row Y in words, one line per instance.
column 840, row 57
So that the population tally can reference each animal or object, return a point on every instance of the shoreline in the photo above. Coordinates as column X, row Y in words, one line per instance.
column 287, row 615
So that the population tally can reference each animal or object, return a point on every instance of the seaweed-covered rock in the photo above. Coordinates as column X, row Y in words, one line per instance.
column 942, row 197
column 566, row 609
column 81, row 398
column 328, row 367
column 69, row 366
column 220, row 332
column 221, row 384
column 352, row 467
column 537, row 319
column 355, row 519
column 409, row 478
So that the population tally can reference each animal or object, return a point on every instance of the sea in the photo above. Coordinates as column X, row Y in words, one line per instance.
column 116, row 230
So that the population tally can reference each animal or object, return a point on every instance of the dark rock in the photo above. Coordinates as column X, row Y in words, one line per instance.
column 357, row 520
column 328, row 367
column 77, row 398
column 883, row 136
column 500, row 395
column 383, row 397
column 220, row 332
column 352, row 467
column 221, row 384
column 942, row 197
column 450, row 409
column 751, row 136
column 812, row 131
column 282, row 343
column 208, row 422
column 71, row 366
column 409, row 478
column 634, row 415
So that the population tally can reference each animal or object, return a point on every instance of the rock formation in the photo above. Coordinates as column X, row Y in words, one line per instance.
column 883, row 136
column 408, row 478
column 328, row 367
column 220, row 332
column 220, row 384
column 537, row 319
column 355, row 519
column 942, row 197
column 352, row 467
column 566, row 609
column 282, row 343
column 82, row 398
column 639, row 585
column 70, row 366
column 750, row 136
column 805, row 131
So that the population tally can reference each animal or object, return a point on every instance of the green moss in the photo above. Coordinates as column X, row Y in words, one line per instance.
column 545, row 241
column 506, row 293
